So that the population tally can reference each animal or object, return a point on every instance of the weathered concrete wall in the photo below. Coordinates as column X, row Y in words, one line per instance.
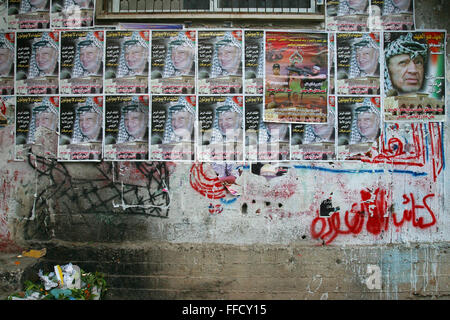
column 264, row 243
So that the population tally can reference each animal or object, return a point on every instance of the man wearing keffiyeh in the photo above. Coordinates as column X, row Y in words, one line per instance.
column 366, row 123
column 33, row 6
column 227, row 126
column 396, row 6
column 88, row 122
column 180, row 122
column 180, row 57
column 348, row 7
column 44, row 57
column 324, row 132
column 88, row 57
column 227, row 56
column 134, row 122
column 405, row 60
column 44, row 114
column 365, row 58
column 133, row 57
column 6, row 56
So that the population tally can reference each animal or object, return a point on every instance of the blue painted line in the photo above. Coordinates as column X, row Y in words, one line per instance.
column 416, row 174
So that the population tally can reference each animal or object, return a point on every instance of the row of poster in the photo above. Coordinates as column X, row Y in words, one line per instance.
column 341, row 15
column 294, row 71
column 188, row 128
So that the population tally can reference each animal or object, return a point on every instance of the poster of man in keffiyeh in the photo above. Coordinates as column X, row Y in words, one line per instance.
column 347, row 15
column 315, row 141
column 296, row 72
column 221, row 128
column 72, row 13
column 392, row 15
column 126, row 127
column 7, row 63
column 81, row 129
column 264, row 141
column 36, row 126
column 359, row 126
column 173, row 62
column 29, row 14
column 358, row 57
column 254, row 62
column 172, row 128
column 37, row 58
column 81, row 57
column 414, row 76
column 220, row 62
column 126, row 61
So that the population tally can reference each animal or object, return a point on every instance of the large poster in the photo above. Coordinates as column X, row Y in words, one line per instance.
column 126, row 62
column 347, row 15
column 359, row 126
column 173, row 62
column 358, row 63
column 81, row 59
column 392, row 15
column 172, row 128
column 220, row 62
column 36, row 124
column 221, row 128
column 72, row 13
column 81, row 130
column 37, row 58
column 126, row 127
column 315, row 141
column 29, row 14
column 264, row 141
column 7, row 63
column 254, row 62
column 414, row 76
column 296, row 77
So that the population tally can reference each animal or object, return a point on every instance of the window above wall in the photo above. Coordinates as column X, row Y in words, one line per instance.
column 210, row 9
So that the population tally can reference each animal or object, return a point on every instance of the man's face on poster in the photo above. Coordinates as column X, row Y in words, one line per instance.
column 135, row 57
column 276, row 71
column 406, row 74
column 325, row 130
column 45, row 119
column 357, row 4
column 367, row 58
column 228, row 122
column 38, row 3
column 90, row 124
column 229, row 57
column 46, row 58
column 402, row 4
column 6, row 60
column 182, row 123
column 368, row 124
column 276, row 130
column 90, row 57
column 182, row 57
column 135, row 123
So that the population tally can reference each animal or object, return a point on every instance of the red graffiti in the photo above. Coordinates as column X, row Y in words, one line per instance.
column 373, row 212
column 206, row 183
column 215, row 209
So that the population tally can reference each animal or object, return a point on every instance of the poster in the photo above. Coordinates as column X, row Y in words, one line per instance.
column 220, row 62
column 315, row 141
column 7, row 62
column 126, row 62
column 332, row 62
column 264, row 141
column 28, row 14
column 72, row 13
column 7, row 110
column 296, row 77
column 4, row 15
column 392, row 15
column 359, row 126
column 358, row 63
column 37, row 58
column 81, row 129
column 172, row 128
column 36, row 125
column 221, row 128
column 126, row 127
column 414, row 76
column 347, row 15
column 173, row 62
column 254, row 62
column 81, row 59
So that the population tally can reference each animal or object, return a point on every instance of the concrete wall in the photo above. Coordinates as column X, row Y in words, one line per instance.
column 267, row 242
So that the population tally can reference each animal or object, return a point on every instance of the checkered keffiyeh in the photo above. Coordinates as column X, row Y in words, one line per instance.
column 181, row 105
column 389, row 7
column 310, row 136
column 227, row 40
column 264, row 135
column 45, row 106
column 180, row 39
column 25, row 7
column 135, row 106
column 365, row 41
column 227, row 106
column 344, row 9
column 405, row 44
column 78, row 70
column 366, row 106
column 45, row 41
column 136, row 38
column 88, row 106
